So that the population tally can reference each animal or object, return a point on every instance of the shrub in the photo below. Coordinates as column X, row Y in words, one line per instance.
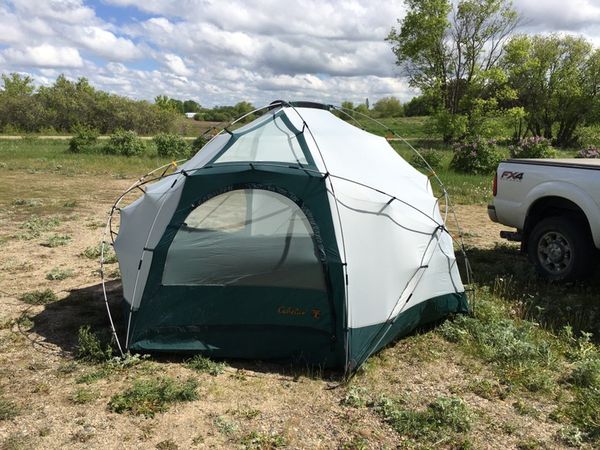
column 433, row 158
column 198, row 143
column 90, row 348
column 84, row 138
column 171, row 145
column 147, row 397
column 588, row 152
column 476, row 157
column 39, row 297
column 532, row 147
column 124, row 143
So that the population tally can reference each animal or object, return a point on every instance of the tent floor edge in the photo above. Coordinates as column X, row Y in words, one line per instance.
column 424, row 313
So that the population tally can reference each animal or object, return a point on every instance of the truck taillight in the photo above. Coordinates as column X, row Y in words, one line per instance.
column 495, row 184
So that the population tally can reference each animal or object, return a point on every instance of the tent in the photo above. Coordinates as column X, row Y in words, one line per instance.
column 297, row 236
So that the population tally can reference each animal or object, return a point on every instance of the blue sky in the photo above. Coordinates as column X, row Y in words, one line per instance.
column 223, row 52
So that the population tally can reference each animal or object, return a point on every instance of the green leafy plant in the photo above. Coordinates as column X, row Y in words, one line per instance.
column 203, row 364
column 84, row 395
column 58, row 274
column 442, row 415
column 260, row 441
column 124, row 143
column 57, row 240
column 147, row 397
column 90, row 348
column 96, row 251
column 171, row 145
column 39, row 297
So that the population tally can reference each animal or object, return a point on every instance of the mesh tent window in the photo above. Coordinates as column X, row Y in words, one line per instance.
column 272, row 139
column 245, row 237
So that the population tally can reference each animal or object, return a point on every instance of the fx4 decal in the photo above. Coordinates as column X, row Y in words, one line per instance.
column 508, row 175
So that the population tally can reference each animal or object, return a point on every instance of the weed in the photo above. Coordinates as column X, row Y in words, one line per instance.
column 95, row 375
column 263, row 441
column 84, row 395
column 166, row 445
column 70, row 204
column 584, row 412
column 147, row 397
column 442, row 415
column 245, row 412
column 356, row 397
column 58, row 274
column 356, row 443
column 8, row 409
column 203, row 364
column 488, row 389
column 67, row 368
column 37, row 225
column 96, row 251
column 29, row 202
column 586, row 374
column 24, row 322
column 520, row 352
column 226, row 426
column 57, row 240
column 524, row 409
column 17, row 441
column 572, row 436
column 39, row 297
column 90, row 348
column 529, row 444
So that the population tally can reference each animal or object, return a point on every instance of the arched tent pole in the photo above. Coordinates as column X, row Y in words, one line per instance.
column 109, row 233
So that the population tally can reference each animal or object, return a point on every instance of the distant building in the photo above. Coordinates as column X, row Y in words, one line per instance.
column 190, row 115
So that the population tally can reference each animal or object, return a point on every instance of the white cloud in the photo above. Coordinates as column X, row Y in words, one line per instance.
column 44, row 55
column 106, row 44
column 67, row 11
column 176, row 65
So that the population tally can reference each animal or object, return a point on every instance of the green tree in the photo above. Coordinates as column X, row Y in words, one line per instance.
column 452, row 53
column 16, row 84
column 388, row 107
column 557, row 80
column 191, row 106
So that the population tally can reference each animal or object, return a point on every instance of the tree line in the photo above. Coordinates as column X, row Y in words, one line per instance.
column 473, row 69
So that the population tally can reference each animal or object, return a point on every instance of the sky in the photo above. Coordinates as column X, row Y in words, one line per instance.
column 220, row 52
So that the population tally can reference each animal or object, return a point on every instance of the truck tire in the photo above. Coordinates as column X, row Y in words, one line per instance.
column 561, row 249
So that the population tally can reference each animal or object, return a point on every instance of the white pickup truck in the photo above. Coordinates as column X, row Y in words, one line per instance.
column 554, row 204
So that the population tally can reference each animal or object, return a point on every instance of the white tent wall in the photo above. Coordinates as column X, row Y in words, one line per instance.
column 385, row 246
column 143, row 223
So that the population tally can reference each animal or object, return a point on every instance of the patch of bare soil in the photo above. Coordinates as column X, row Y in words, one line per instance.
column 267, row 404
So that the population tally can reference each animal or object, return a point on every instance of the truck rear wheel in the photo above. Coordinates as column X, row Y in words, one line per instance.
column 561, row 249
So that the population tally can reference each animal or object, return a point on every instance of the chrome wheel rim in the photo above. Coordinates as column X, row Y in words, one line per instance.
column 554, row 252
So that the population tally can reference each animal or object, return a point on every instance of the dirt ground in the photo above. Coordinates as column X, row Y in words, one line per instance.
column 39, row 374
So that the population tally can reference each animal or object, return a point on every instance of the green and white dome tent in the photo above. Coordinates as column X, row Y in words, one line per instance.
column 297, row 236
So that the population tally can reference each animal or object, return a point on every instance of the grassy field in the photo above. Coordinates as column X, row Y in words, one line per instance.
column 522, row 372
